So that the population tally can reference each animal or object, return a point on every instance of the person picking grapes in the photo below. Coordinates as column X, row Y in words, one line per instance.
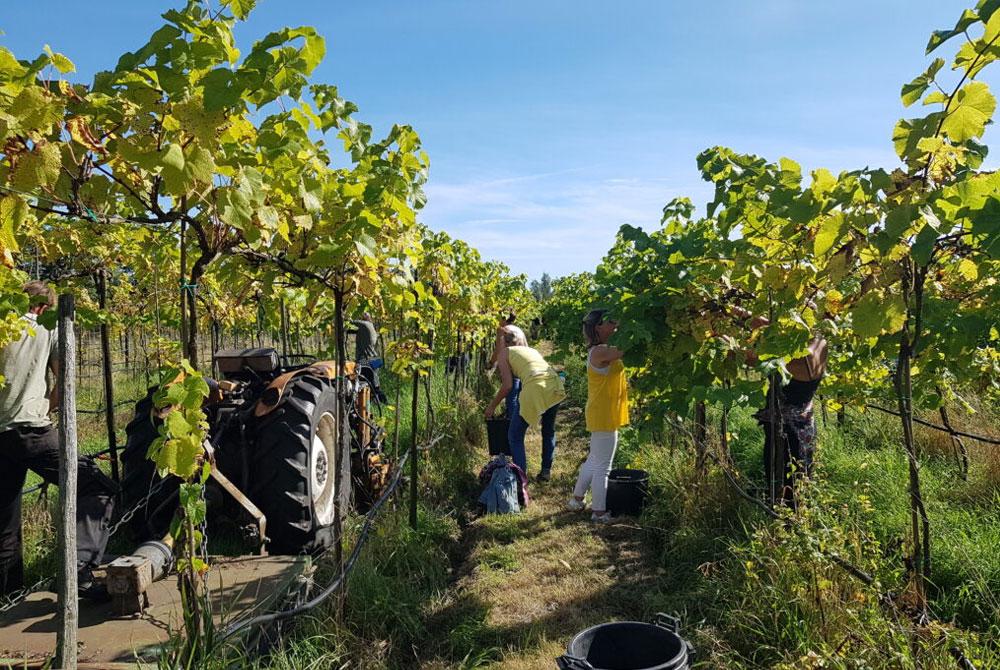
column 793, row 431
column 538, row 401
column 606, row 412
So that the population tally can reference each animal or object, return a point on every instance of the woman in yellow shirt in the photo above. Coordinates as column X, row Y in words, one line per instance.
column 541, row 392
column 607, row 411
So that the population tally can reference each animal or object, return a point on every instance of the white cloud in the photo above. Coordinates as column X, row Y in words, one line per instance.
column 565, row 221
column 557, row 222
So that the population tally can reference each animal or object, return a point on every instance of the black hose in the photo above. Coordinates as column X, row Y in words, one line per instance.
column 338, row 583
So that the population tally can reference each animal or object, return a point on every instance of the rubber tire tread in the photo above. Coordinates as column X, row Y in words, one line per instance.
column 280, row 482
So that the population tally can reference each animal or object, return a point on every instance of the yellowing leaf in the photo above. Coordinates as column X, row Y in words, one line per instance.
column 80, row 132
column 968, row 269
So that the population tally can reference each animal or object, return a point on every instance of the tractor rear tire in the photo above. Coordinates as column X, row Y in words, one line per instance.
column 139, row 476
column 295, row 464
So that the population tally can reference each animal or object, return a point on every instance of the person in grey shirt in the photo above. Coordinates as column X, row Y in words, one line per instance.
column 366, row 353
column 28, row 441
column 365, row 339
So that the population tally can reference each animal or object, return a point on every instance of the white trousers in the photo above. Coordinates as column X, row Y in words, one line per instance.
column 594, row 471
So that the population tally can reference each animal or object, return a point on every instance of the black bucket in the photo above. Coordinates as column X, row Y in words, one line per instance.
column 496, row 434
column 627, row 491
column 629, row 645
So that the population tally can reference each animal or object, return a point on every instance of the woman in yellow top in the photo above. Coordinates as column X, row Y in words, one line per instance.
column 607, row 411
column 541, row 392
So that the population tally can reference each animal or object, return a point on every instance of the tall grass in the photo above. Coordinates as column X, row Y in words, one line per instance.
column 765, row 594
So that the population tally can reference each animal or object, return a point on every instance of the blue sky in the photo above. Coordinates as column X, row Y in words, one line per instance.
column 552, row 122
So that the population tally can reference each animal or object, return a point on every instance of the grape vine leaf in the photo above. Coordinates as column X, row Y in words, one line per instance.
column 915, row 89
column 974, row 107
column 939, row 37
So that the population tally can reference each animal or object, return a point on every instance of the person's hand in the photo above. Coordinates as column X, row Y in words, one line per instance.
column 489, row 412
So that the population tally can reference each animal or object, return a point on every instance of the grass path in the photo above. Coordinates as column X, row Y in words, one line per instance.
column 525, row 583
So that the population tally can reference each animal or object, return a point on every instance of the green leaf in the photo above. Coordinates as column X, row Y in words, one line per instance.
column 791, row 173
column 822, row 182
column 874, row 315
column 60, row 61
column 221, row 90
column 971, row 110
column 13, row 211
column 189, row 450
column 939, row 37
column 36, row 109
column 9, row 67
column 923, row 245
column 173, row 156
column 915, row 89
column 899, row 220
column 992, row 31
column 830, row 231
column 240, row 8
column 174, row 177
column 907, row 134
column 172, row 395
column 37, row 168
column 199, row 166
column 986, row 8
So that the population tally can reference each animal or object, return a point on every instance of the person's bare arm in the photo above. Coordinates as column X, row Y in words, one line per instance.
column 603, row 355
column 812, row 366
column 506, row 379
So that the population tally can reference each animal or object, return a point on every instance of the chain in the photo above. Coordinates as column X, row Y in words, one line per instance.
column 203, row 546
column 127, row 516
column 12, row 600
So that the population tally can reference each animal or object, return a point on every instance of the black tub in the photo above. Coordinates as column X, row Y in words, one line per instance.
column 629, row 645
column 496, row 434
column 627, row 491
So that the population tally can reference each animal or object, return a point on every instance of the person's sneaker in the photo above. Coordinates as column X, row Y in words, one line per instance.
column 544, row 476
column 601, row 518
column 575, row 505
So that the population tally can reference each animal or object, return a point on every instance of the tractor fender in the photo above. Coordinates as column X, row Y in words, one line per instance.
column 274, row 394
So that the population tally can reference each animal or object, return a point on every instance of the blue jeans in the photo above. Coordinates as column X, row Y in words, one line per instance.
column 518, row 429
column 513, row 406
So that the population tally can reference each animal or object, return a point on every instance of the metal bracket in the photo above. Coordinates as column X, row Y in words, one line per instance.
column 252, row 509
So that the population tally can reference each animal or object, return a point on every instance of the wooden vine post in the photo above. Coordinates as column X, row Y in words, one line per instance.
column 413, row 448
column 343, row 432
column 913, row 285
column 775, row 458
column 700, row 436
column 109, row 390
column 183, row 281
column 427, row 388
column 68, row 612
